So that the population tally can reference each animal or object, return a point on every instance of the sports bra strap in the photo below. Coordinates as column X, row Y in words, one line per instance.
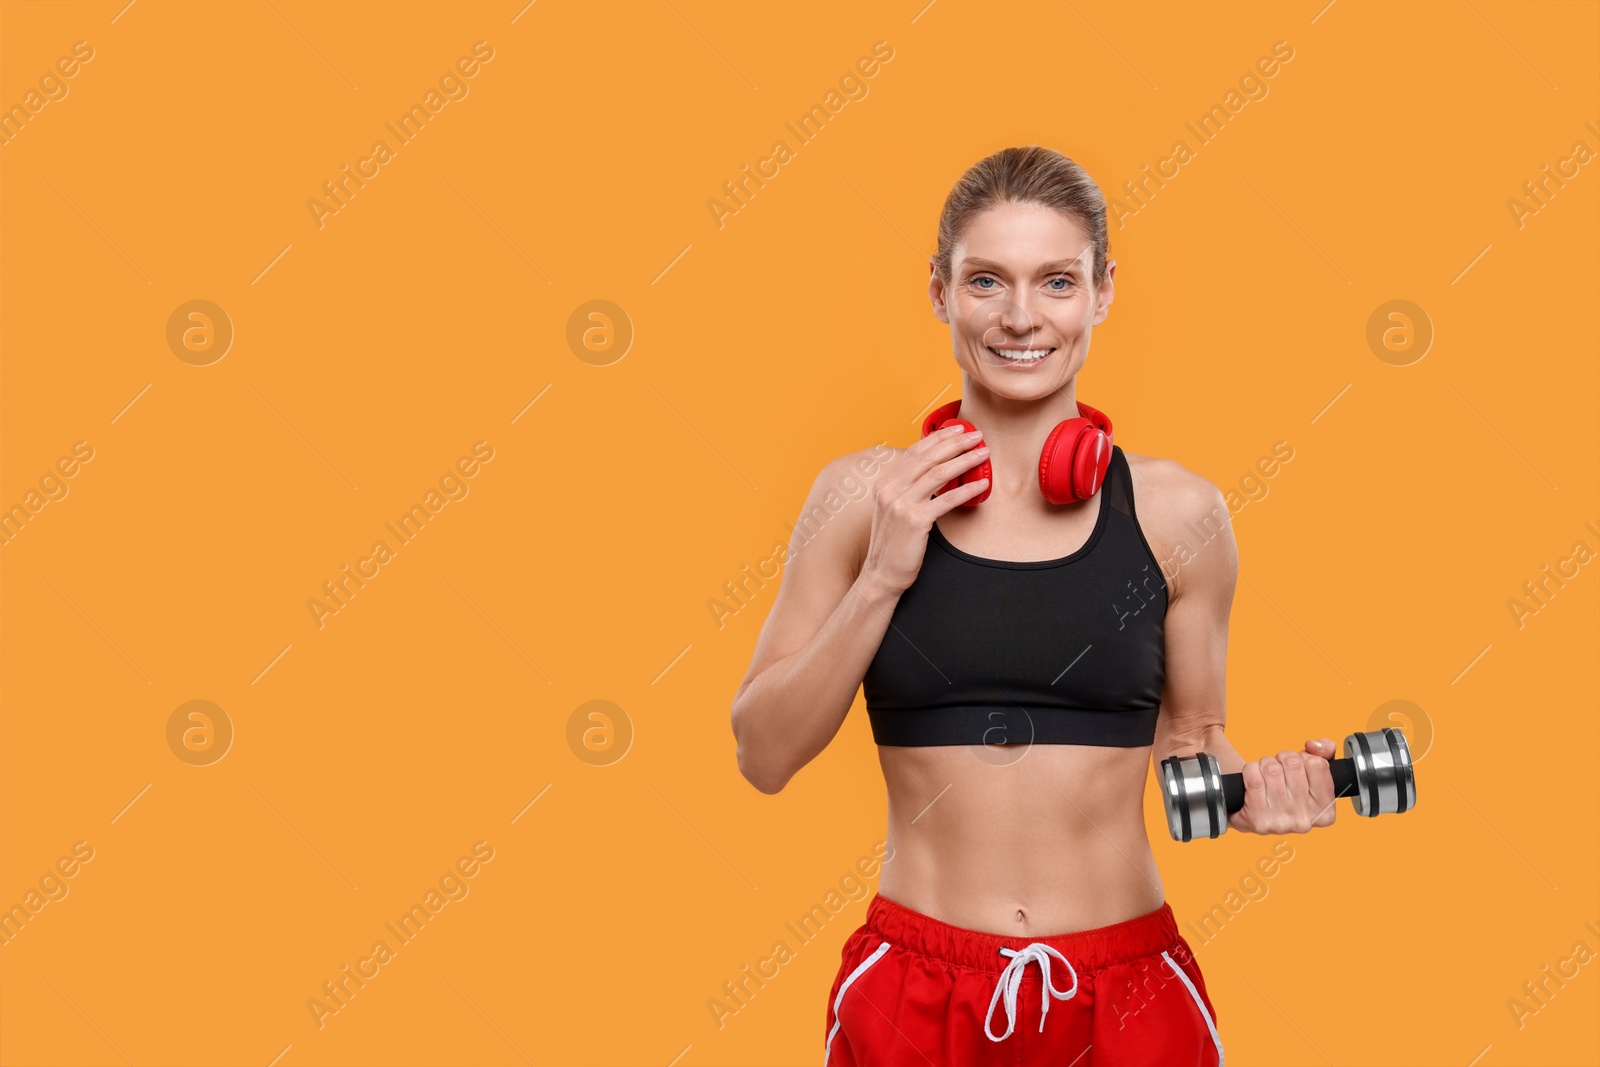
column 1119, row 483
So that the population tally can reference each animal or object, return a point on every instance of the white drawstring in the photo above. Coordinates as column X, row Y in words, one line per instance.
column 1011, row 980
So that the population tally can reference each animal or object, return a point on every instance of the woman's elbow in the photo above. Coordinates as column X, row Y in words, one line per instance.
column 764, row 782
column 764, row 778
column 758, row 773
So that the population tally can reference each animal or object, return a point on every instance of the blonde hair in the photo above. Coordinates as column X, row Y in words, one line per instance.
column 1031, row 175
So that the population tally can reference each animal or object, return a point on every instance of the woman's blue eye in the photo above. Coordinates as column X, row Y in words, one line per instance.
column 984, row 278
column 1062, row 278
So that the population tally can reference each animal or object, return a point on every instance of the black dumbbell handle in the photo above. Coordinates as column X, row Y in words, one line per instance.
column 1344, row 784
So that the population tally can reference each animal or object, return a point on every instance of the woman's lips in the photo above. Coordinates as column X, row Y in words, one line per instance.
column 1020, row 363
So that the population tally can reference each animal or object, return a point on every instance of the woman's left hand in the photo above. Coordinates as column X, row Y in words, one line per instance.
column 1288, row 794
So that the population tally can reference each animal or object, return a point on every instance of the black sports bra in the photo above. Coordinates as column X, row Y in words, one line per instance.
column 1067, row 651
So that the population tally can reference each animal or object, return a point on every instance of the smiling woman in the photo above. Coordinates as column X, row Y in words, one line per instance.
column 968, row 596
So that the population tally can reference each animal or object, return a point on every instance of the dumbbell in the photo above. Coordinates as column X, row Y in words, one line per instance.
column 1376, row 772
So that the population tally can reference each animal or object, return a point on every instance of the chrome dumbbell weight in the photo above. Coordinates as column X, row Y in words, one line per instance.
column 1375, row 771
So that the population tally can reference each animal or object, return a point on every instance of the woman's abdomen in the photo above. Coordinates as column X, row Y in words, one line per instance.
column 1017, row 840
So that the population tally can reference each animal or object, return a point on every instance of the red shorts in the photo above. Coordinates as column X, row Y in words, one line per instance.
column 912, row 990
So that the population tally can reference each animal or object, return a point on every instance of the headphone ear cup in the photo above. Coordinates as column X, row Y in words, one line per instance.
column 1090, row 462
column 1073, row 463
column 1058, row 461
column 982, row 470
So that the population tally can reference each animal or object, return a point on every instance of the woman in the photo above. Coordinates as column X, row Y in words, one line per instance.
column 1026, row 657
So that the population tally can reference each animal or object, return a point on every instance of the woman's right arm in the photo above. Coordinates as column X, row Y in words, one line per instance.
column 834, row 602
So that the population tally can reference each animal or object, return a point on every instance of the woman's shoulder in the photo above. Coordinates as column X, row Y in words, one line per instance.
column 841, row 499
column 863, row 461
column 1167, row 478
column 1174, row 504
column 850, row 477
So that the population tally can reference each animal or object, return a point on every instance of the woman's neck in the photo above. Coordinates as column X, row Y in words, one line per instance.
column 1015, row 431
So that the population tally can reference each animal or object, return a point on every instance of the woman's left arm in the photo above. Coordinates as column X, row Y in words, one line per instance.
column 1291, row 792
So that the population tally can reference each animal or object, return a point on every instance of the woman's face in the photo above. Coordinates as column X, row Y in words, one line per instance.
column 1020, row 285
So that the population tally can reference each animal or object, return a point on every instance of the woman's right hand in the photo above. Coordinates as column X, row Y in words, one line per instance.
column 904, row 507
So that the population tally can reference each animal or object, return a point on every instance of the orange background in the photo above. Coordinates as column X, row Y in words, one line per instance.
column 369, row 354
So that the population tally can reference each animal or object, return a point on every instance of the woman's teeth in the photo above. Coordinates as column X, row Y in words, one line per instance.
column 1022, row 355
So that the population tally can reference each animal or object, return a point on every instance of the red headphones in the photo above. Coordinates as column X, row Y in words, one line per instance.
column 1072, row 466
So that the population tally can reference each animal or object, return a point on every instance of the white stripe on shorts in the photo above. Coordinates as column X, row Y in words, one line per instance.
column 1215, row 1040
column 868, row 962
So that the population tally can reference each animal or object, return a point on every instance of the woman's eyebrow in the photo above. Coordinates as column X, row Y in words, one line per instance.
column 1053, row 267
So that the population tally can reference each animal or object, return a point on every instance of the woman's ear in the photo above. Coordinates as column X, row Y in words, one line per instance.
column 936, row 292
